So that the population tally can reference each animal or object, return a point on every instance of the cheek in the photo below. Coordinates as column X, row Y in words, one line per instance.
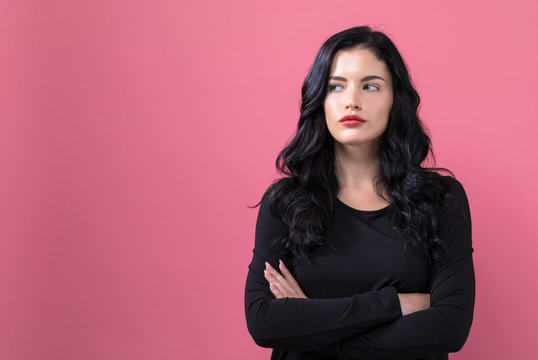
column 329, row 106
column 384, row 106
column 389, row 102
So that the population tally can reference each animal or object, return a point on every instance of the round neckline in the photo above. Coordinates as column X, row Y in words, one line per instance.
column 362, row 211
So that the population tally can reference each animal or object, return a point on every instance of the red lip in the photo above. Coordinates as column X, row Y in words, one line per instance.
column 352, row 118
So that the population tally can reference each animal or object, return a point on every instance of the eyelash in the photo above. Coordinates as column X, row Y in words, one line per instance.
column 331, row 86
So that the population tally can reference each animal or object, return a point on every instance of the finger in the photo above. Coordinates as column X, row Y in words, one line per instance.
column 287, row 288
column 270, row 273
column 283, row 289
column 270, row 278
column 279, row 282
column 275, row 291
column 287, row 274
column 283, row 285
column 291, row 280
column 274, row 273
column 272, row 286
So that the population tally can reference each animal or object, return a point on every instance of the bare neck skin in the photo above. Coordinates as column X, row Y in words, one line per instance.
column 356, row 165
column 356, row 168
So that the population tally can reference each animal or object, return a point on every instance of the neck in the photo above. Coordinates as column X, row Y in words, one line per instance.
column 356, row 165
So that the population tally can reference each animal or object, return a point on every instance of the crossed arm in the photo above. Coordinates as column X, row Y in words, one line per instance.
column 299, row 323
column 440, row 328
column 285, row 286
column 375, row 325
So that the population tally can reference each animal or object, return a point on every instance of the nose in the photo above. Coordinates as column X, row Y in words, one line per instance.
column 353, row 103
column 353, row 106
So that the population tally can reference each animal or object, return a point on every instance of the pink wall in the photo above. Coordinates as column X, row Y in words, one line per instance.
column 133, row 134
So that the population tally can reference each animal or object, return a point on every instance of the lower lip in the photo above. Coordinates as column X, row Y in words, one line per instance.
column 352, row 122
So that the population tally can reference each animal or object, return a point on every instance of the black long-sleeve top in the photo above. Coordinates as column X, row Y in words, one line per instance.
column 353, row 310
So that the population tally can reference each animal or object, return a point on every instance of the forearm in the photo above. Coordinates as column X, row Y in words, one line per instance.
column 443, row 328
column 305, row 324
column 407, row 339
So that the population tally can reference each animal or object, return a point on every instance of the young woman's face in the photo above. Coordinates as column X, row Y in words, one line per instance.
column 361, row 85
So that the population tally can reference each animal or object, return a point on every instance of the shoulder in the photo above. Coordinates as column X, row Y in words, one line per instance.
column 270, row 226
column 453, row 185
column 266, row 203
column 455, row 194
column 270, row 210
column 273, row 193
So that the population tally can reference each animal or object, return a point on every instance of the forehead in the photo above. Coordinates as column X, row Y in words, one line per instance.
column 358, row 62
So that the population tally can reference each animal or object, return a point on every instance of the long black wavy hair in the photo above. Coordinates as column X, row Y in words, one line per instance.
column 304, row 197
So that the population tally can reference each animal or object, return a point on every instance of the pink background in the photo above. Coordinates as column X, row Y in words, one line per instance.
column 133, row 135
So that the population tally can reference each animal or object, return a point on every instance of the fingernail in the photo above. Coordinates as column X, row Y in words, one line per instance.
column 266, row 264
column 280, row 262
column 264, row 272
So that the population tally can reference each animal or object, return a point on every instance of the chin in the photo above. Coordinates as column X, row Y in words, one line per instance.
column 358, row 141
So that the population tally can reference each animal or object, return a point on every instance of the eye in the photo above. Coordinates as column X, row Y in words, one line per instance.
column 371, row 87
column 333, row 87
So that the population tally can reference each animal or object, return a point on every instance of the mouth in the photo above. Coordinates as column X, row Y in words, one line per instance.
column 352, row 120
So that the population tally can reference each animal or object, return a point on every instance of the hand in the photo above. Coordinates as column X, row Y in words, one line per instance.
column 414, row 302
column 282, row 286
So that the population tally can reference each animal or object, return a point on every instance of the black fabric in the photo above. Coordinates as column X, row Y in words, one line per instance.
column 353, row 311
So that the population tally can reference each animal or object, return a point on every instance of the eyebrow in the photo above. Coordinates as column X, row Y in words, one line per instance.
column 366, row 78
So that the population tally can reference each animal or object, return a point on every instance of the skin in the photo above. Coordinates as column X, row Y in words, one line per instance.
column 362, row 85
column 359, row 84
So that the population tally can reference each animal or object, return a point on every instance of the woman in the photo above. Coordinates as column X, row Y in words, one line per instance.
column 360, row 252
